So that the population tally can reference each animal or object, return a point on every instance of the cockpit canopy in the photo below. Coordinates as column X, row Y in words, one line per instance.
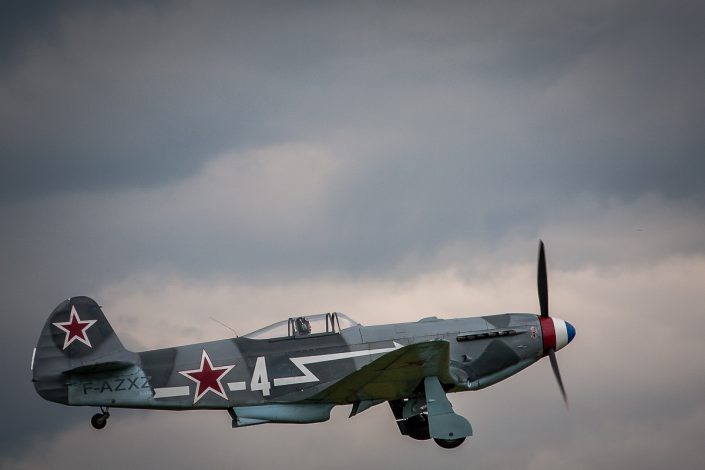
column 298, row 327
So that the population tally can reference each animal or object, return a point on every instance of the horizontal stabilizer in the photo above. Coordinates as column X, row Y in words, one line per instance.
column 108, row 366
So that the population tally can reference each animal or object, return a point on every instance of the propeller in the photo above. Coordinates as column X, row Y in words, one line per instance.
column 557, row 373
column 542, row 281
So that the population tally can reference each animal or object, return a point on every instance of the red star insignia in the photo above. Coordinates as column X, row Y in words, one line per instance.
column 75, row 329
column 207, row 377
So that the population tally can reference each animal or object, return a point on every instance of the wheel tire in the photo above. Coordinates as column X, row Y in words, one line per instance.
column 449, row 443
column 99, row 420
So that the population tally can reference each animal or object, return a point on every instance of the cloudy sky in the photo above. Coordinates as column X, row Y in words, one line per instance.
column 178, row 161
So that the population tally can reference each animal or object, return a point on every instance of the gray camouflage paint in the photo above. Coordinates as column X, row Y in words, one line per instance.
column 480, row 351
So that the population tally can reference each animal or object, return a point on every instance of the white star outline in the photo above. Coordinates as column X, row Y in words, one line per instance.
column 84, row 336
column 221, row 392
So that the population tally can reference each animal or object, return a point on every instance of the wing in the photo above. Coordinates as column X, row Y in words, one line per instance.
column 396, row 374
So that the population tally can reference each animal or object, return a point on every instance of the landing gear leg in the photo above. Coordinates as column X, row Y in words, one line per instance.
column 448, row 429
column 99, row 420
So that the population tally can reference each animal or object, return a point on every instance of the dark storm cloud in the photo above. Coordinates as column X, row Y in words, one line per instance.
column 114, row 100
column 28, row 20
column 32, row 21
column 135, row 95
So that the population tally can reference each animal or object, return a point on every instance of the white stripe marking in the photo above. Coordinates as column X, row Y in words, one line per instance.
column 561, row 333
column 34, row 351
column 308, row 376
column 236, row 386
column 168, row 392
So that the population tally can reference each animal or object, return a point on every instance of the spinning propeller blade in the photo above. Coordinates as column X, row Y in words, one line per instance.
column 557, row 373
column 542, row 281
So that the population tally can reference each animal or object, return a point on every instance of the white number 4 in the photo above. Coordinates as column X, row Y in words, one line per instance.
column 260, row 380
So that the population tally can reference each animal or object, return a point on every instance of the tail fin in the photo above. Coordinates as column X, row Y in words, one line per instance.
column 76, row 338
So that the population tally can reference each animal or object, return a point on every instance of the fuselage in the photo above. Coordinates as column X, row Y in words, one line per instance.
column 296, row 369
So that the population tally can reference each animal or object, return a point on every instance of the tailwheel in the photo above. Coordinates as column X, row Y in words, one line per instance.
column 449, row 443
column 99, row 420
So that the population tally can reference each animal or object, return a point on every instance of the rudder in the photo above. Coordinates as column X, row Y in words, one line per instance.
column 76, row 337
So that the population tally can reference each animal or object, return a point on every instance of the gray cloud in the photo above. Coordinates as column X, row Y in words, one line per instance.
column 142, row 94
column 382, row 159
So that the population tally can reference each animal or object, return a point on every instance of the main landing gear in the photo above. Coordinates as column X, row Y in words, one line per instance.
column 431, row 416
column 99, row 420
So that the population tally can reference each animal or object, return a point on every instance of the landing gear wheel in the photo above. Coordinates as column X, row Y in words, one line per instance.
column 99, row 420
column 449, row 443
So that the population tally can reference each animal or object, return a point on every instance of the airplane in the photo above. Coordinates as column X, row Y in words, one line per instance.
column 297, row 370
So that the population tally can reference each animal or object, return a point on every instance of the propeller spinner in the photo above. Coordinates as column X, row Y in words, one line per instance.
column 556, row 333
